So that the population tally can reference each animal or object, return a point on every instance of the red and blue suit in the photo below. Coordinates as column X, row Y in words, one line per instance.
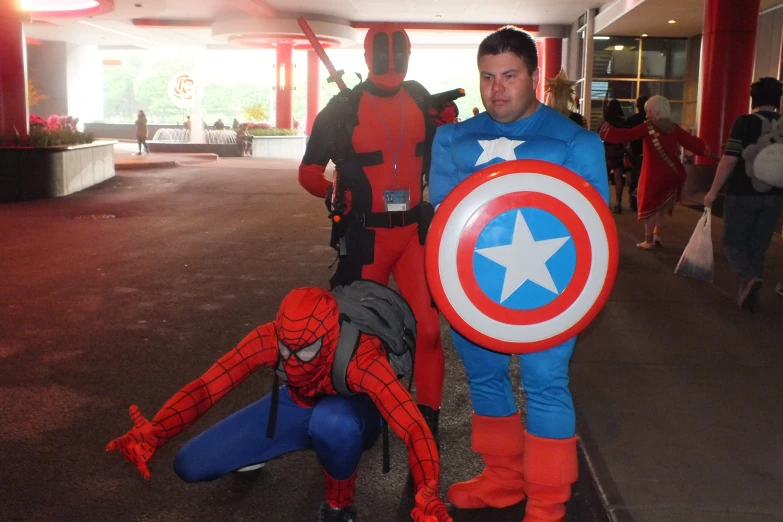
column 379, row 136
column 539, row 463
column 300, row 343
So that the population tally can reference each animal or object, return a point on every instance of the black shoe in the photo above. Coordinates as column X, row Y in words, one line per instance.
column 330, row 514
column 618, row 209
column 431, row 417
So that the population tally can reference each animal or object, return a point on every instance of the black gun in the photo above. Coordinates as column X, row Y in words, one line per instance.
column 440, row 100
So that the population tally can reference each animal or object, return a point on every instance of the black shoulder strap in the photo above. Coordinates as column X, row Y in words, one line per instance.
column 346, row 348
column 420, row 95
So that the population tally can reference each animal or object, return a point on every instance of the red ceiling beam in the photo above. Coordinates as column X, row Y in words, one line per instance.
column 429, row 26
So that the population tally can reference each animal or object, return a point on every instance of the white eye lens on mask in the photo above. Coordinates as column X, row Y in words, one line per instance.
column 284, row 351
column 307, row 353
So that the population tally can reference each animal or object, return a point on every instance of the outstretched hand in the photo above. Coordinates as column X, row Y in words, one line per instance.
column 139, row 444
column 430, row 508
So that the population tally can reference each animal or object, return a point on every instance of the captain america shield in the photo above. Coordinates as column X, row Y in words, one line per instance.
column 521, row 256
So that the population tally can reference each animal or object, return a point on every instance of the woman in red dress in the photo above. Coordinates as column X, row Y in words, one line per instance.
column 663, row 175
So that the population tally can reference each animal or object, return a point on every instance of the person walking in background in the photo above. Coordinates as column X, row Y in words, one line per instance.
column 637, row 151
column 187, row 124
column 615, row 152
column 141, row 132
column 752, row 208
column 663, row 175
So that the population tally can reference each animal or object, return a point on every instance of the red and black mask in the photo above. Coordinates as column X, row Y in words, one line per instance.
column 387, row 49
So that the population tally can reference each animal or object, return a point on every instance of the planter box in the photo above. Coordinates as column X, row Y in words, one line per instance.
column 36, row 173
column 279, row 146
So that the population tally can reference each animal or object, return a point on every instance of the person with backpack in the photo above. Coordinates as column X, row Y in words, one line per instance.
column 379, row 135
column 753, row 166
column 340, row 364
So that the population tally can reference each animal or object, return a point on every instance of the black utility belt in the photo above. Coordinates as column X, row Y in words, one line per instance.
column 390, row 219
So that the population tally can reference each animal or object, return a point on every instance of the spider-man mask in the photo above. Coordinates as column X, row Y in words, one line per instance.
column 307, row 326
column 387, row 49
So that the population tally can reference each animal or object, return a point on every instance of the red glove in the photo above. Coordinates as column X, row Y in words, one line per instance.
column 140, row 443
column 448, row 114
column 429, row 508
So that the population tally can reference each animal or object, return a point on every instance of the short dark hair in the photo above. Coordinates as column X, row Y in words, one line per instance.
column 640, row 101
column 766, row 91
column 510, row 39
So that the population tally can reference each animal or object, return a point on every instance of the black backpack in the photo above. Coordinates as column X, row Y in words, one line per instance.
column 371, row 308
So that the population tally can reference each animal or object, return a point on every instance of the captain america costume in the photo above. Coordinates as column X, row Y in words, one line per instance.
column 458, row 151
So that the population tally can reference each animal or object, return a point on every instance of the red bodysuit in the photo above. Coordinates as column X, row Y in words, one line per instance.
column 379, row 137
column 301, row 342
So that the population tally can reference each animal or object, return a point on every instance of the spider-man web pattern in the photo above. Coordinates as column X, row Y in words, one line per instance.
column 303, row 338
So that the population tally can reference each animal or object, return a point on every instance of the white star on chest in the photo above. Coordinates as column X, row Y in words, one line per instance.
column 502, row 148
column 524, row 259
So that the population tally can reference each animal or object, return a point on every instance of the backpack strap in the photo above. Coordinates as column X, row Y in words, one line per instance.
column 346, row 348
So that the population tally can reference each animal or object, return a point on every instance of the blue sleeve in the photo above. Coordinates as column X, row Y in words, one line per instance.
column 443, row 173
column 586, row 158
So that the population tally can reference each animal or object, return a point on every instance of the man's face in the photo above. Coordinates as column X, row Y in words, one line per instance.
column 508, row 90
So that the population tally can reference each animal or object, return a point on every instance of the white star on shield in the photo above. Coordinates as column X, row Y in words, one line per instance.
column 524, row 259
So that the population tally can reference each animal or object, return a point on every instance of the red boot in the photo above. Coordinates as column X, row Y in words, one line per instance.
column 550, row 467
column 500, row 442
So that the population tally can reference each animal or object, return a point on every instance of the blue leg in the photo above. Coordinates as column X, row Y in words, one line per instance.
column 240, row 440
column 550, row 409
column 341, row 428
column 490, row 385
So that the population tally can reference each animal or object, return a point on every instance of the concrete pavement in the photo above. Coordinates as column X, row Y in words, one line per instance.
column 122, row 293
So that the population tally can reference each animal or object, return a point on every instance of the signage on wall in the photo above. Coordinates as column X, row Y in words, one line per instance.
column 183, row 89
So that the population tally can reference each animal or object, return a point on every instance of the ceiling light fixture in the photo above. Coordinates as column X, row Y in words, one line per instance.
column 601, row 37
column 645, row 35
column 438, row 16
column 672, row 21
column 619, row 47
column 66, row 8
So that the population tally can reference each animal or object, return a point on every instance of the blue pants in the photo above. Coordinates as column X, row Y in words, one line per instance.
column 550, row 409
column 338, row 428
column 748, row 225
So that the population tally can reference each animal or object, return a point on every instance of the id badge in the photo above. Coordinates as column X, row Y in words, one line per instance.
column 396, row 199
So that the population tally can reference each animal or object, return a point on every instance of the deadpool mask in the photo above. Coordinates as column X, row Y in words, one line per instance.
column 387, row 49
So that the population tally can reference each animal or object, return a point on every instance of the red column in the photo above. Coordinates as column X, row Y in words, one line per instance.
column 541, row 83
column 13, row 73
column 728, row 52
column 285, row 85
column 313, row 88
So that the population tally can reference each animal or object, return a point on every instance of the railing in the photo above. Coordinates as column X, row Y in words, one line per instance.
column 217, row 137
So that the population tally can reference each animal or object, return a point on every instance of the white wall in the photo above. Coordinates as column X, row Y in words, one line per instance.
column 84, row 73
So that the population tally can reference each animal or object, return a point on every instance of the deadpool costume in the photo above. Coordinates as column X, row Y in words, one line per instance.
column 301, row 343
column 379, row 136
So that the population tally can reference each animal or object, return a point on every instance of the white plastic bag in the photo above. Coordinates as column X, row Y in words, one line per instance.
column 697, row 260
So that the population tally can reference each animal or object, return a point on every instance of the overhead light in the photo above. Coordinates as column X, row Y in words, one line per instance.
column 672, row 21
column 57, row 5
column 645, row 35
column 619, row 47
column 438, row 16
column 600, row 37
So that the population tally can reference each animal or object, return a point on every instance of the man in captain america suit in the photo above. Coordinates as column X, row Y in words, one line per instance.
column 538, row 462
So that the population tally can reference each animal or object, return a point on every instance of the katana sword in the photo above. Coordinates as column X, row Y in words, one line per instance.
column 334, row 75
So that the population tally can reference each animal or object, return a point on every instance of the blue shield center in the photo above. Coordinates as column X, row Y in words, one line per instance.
column 561, row 266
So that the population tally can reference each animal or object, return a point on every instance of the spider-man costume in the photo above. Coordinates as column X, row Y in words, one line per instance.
column 379, row 135
column 301, row 343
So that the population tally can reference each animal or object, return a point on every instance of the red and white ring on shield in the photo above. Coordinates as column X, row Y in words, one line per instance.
column 521, row 256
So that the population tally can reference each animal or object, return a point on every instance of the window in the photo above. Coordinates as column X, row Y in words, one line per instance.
column 625, row 68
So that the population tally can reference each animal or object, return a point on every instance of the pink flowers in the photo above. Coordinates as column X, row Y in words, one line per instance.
column 37, row 121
